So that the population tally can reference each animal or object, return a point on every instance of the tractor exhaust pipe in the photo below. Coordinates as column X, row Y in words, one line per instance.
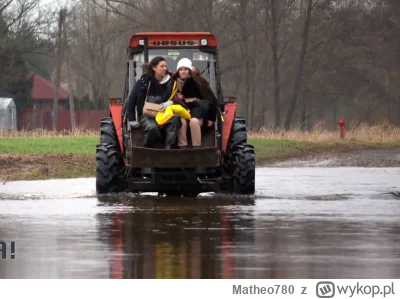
column 146, row 55
column 146, row 50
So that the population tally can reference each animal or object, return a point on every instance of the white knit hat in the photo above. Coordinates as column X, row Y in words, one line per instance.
column 184, row 62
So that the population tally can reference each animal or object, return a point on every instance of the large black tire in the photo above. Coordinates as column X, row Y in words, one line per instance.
column 238, row 134
column 108, row 133
column 244, row 175
column 110, row 169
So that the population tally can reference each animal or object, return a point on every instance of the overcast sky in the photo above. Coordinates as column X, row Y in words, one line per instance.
column 56, row 3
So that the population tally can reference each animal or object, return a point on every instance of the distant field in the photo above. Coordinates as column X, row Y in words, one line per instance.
column 273, row 149
column 379, row 134
column 44, row 155
column 265, row 148
column 49, row 145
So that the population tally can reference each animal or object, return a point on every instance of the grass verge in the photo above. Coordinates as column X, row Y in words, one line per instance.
column 49, row 145
column 32, row 158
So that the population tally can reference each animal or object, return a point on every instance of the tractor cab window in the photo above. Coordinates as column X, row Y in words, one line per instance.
column 203, row 61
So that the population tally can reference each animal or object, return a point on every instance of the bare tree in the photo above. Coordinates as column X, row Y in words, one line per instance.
column 276, row 14
column 307, row 60
column 300, row 64
column 60, row 54
column 95, row 51
column 23, row 26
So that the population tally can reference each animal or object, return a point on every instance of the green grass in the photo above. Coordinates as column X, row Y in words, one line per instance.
column 49, row 145
column 265, row 148
column 274, row 149
column 73, row 157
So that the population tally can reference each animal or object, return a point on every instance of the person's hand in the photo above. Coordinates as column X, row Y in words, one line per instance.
column 210, row 123
column 179, row 96
column 164, row 106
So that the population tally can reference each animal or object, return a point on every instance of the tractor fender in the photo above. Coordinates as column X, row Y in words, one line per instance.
column 115, row 113
column 229, row 115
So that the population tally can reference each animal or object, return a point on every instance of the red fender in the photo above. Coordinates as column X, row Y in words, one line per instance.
column 229, row 115
column 115, row 113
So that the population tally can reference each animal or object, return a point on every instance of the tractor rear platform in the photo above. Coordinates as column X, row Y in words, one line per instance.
column 174, row 182
column 155, row 170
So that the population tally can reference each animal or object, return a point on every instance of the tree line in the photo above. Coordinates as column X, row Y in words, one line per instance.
column 290, row 63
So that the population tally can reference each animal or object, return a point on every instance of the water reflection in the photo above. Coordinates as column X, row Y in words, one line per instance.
column 178, row 239
column 207, row 240
column 305, row 223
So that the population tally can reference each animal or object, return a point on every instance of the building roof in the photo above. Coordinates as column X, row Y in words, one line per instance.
column 43, row 89
column 6, row 102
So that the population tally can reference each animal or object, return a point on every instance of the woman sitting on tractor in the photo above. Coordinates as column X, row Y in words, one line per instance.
column 195, row 92
column 157, row 83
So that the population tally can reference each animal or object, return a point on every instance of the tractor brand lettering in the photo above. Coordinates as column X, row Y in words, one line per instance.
column 175, row 43
column 4, row 248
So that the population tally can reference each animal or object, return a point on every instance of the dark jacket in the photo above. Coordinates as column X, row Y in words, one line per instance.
column 197, row 87
column 138, row 94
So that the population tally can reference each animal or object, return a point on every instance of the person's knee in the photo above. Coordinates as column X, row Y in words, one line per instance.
column 195, row 122
column 177, row 121
column 183, row 125
column 195, row 128
column 153, row 129
column 152, row 125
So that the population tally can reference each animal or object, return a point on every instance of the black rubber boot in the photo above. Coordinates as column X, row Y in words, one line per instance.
column 152, row 131
column 171, row 131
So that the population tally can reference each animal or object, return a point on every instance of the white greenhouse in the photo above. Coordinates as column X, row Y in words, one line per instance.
column 8, row 115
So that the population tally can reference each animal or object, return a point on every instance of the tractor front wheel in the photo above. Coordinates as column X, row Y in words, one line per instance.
column 243, row 160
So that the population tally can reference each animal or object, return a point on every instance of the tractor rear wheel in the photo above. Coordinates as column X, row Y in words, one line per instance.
column 108, row 133
column 110, row 169
column 238, row 134
column 243, row 163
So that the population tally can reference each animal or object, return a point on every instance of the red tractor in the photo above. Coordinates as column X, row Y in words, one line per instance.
column 224, row 163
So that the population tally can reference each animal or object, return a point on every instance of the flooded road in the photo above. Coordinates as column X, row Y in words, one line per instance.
column 302, row 223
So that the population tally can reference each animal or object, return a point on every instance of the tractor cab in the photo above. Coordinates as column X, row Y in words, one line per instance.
column 199, row 47
column 223, row 163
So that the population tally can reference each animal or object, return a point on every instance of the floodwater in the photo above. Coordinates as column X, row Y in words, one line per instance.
column 302, row 223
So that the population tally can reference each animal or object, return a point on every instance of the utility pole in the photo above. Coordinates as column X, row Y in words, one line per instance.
column 58, row 66
column 70, row 92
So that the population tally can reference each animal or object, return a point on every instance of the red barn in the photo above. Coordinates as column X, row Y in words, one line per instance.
column 41, row 115
column 43, row 93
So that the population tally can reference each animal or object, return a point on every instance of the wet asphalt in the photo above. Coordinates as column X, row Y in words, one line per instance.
column 302, row 223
